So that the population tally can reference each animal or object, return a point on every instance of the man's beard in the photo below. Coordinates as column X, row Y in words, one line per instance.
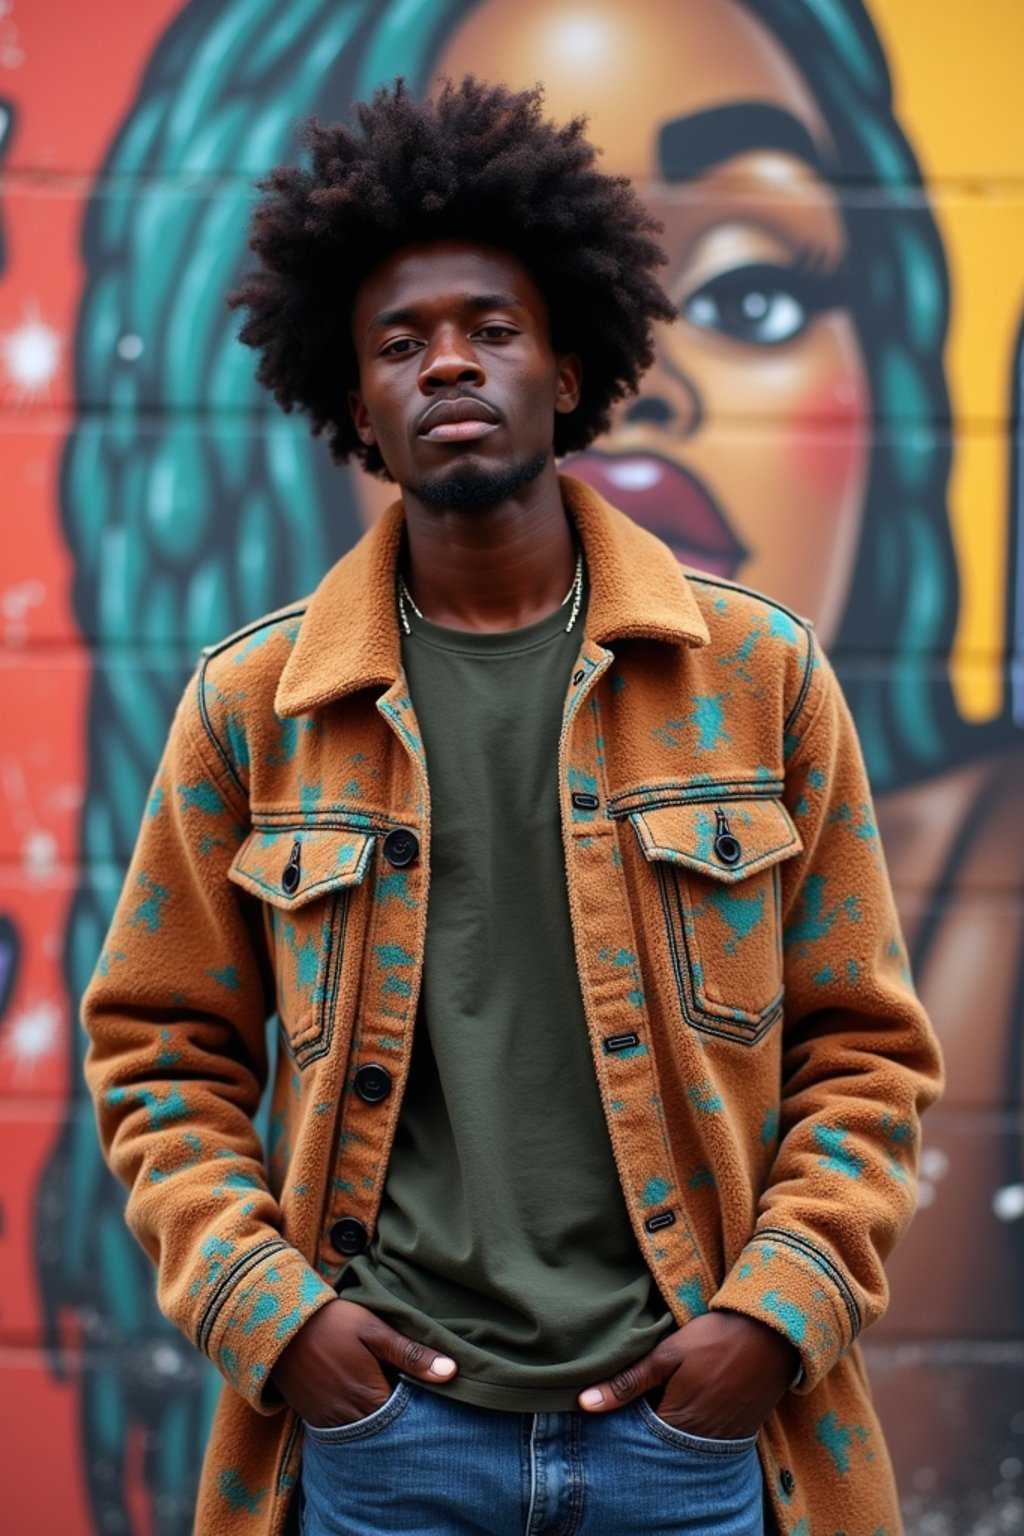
column 468, row 487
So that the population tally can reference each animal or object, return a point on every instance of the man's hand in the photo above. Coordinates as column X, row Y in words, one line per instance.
column 723, row 1373
column 329, row 1372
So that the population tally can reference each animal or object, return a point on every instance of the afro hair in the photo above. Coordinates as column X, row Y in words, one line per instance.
column 479, row 162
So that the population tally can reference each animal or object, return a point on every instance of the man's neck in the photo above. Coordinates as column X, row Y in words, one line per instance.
column 492, row 568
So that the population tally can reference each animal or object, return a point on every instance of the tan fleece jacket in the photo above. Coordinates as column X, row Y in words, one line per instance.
column 761, row 1056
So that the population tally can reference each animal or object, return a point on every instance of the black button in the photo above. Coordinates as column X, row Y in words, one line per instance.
column 292, row 872
column 577, row 677
column 661, row 1220
column 349, row 1236
column 401, row 847
column 584, row 802
column 728, row 848
column 373, row 1083
column 787, row 1482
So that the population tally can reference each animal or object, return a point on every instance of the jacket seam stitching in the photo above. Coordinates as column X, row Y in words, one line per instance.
column 805, row 684
column 703, row 579
column 283, row 1485
column 319, row 1043
column 212, row 736
column 326, row 819
column 266, row 622
column 731, row 789
column 806, row 1248
column 810, row 728
column 227, row 1284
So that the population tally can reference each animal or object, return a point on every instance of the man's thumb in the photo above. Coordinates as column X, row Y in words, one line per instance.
column 407, row 1355
column 633, row 1382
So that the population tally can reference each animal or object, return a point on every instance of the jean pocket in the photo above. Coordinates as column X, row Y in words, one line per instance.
column 701, row 1445
column 363, row 1429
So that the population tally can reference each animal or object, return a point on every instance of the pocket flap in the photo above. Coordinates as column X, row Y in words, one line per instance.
column 761, row 832
column 320, row 860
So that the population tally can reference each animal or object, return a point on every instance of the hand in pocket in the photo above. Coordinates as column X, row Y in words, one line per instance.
column 330, row 1372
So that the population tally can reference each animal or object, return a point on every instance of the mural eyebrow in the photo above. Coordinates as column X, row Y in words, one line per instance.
column 688, row 146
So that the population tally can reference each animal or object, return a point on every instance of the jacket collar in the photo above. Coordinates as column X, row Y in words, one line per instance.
column 349, row 636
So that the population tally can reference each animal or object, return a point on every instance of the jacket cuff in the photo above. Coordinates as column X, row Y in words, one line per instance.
column 270, row 1292
column 786, row 1281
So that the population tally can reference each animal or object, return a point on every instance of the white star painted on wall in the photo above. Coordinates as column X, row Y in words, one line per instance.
column 30, row 354
column 32, row 1035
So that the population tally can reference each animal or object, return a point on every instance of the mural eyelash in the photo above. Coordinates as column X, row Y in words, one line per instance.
column 815, row 290
column 814, row 263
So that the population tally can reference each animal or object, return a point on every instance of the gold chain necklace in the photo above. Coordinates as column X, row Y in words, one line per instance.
column 575, row 593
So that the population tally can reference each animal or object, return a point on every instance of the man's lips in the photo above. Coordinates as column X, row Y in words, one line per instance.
column 669, row 501
column 456, row 421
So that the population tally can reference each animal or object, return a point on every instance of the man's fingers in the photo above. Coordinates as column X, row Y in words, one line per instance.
column 407, row 1355
column 632, row 1382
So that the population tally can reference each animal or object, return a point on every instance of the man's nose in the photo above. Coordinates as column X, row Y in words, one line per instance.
column 450, row 359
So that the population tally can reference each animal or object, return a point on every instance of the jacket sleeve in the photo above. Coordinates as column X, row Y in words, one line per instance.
column 859, row 1061
column 176, row 1013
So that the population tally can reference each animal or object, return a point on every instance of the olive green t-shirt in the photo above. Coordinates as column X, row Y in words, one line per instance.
column 503, row 1238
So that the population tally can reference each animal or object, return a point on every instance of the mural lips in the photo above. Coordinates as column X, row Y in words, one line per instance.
column 669, row 501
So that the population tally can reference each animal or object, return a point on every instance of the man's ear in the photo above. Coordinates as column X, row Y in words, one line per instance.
column 567, row 384
column 361, row 419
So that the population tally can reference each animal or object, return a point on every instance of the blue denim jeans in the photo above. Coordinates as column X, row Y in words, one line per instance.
column 428, row 1464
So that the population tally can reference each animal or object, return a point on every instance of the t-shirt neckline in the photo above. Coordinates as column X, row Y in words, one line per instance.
column 500, row 642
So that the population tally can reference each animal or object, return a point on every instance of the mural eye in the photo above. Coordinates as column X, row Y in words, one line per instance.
column 762, row 305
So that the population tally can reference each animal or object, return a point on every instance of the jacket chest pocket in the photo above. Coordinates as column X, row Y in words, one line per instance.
column 717, row 867
column 304, row 877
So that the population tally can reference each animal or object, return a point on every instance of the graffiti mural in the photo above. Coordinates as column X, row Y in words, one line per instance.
column 835, row 419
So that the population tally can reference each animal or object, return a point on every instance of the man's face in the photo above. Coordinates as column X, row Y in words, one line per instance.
column 458, row 381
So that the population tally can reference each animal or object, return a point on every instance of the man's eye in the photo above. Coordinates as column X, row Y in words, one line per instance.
column 763, row 305
column 397, row 348
column 495, row 332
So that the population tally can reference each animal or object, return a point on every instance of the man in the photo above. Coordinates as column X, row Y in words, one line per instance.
column 579, row 1178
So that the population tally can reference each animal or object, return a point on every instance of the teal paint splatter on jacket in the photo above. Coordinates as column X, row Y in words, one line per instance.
column 148, row 912
column 813, row 921
column 838, row 1439
column 708, row 718
column 237, row 1494
column 839, row 1158
column 203, row 796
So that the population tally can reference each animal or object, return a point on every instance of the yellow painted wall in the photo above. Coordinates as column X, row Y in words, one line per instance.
column 957, row 71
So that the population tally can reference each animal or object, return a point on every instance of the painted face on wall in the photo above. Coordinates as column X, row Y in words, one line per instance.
column 747, row 447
